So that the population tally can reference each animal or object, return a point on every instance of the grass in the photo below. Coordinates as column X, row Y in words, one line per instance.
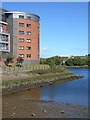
column 46, row 71
column 29, row 80
column 76, row 66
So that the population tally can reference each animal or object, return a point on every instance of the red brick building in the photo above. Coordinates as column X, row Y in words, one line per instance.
column 24, row 30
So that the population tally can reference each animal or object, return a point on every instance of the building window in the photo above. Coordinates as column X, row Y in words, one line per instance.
column 21, row 55
column 21, row 24
column 29, row 40
column 28, row 17
column 21, row 48
column 21, row 16
column 3, row 38
column 38, row 56
column 3, row 46
column 28, row 55
column 21, row 40
column 38, row 42
column 1, row 28
column 21, row 32
column 28, row 48
column 38, row 29
column 29, row 25
column 28, row 33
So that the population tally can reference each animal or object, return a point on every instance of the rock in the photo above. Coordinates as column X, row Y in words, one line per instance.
column 62, row 111
column 14, row 108
column 28, row 88
column 32, row 114
column 44, row 111
column 12, row 114
column 50, row 83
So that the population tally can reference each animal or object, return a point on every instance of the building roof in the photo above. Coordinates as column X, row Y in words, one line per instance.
column 4, row 10
column 22, row 13
column 2, row 22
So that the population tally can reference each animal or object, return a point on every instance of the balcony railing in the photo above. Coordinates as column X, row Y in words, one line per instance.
column 3, row 48
column 3, row 31
column 5, row 40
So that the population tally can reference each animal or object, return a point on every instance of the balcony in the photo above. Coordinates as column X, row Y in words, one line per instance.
column 3, row 31
column 3, row 40
column 4, row 47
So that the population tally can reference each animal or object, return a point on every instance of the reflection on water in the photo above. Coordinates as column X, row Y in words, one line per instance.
column 33, row 94
column 74, row 92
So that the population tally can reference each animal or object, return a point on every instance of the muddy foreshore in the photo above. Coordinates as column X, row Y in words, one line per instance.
column 39, row 83
column 18, row 102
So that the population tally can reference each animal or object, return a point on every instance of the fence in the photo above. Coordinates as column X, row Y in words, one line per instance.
column 21, row 69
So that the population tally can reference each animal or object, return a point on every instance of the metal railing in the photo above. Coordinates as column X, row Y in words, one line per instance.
column 22, row 69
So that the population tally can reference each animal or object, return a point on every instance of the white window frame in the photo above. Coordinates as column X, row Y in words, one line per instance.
column 22, row 39
column 28, row 40
column 21, row 47
column 28, row 33
column 21, row 55
column 30, row 55
column 28, row 47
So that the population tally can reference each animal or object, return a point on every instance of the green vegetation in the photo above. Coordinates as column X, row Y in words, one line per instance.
column 9, row 58
column 20, row 60
column 53, row 61
column 29, row 80
column 46, row 71
column 76, row 61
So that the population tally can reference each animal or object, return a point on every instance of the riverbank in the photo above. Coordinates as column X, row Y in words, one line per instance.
column 18, row 82
column 35, row 102
column 77, row 66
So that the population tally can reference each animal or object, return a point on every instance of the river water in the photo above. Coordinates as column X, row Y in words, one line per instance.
column 73, row 92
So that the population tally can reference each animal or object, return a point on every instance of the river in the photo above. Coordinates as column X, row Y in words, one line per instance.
column 74, row 92
column 66, row 96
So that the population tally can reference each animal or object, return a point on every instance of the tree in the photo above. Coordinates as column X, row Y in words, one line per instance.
column 41, row 61
column 69, row 62
column 58, row 60
column 20, row 60
column 9, row 58
column 89, row 60
column 77, row 61
column 50, row 62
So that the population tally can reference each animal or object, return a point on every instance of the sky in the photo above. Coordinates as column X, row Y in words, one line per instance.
column 63, row 26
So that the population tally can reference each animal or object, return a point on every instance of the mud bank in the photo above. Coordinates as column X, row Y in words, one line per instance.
column 12, row 86
column 15, row 107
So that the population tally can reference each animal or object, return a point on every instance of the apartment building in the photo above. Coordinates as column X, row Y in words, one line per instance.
column 23, row 37
column 4, row 38
column 4, row 35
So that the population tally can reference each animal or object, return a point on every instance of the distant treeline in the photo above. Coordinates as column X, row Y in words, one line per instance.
column 72, row 61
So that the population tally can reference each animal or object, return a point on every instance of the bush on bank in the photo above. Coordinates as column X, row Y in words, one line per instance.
column 46, row 71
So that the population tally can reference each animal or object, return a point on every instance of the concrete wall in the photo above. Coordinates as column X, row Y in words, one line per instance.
column 31, row 62
column 10, row 30
column 15, row 38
